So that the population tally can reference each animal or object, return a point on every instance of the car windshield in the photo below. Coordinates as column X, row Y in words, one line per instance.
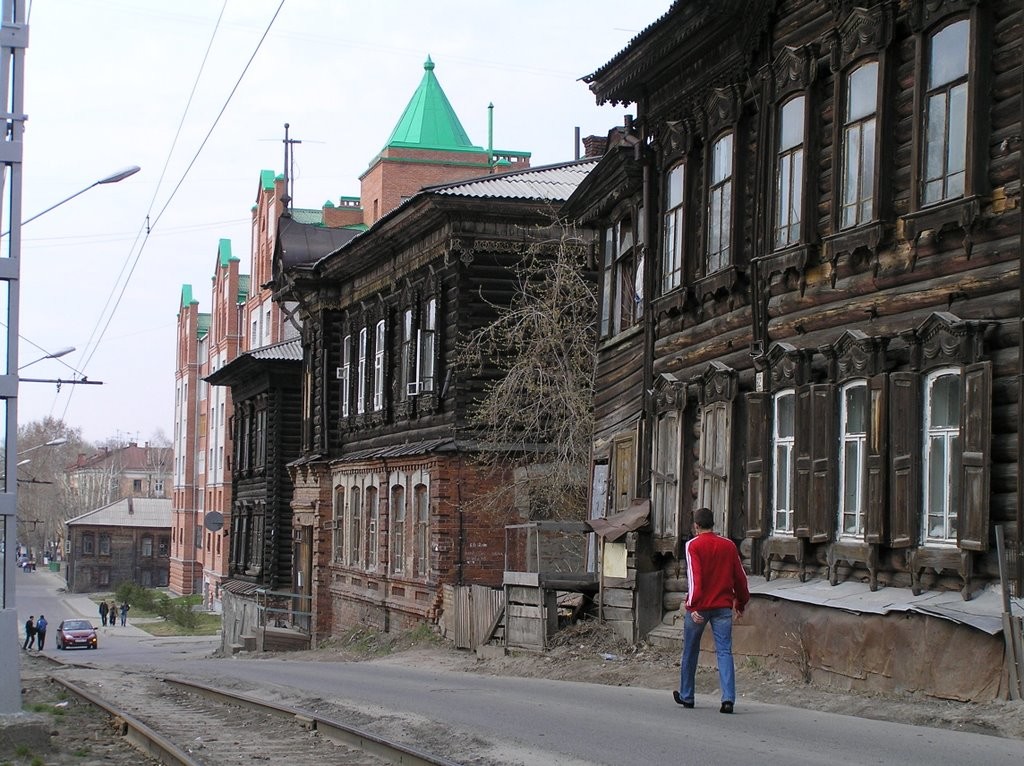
column 77, row 625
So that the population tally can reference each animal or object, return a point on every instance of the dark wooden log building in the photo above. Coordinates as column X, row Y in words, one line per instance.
column 386, row 484
column 811, row 297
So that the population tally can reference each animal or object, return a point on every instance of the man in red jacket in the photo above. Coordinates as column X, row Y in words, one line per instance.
column 718, row 587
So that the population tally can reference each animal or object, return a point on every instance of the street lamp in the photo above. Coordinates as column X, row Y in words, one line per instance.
column 52, row 443
column 54, row 355
column 113, row 178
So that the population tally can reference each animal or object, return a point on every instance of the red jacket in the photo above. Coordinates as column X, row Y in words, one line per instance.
column 715, row 574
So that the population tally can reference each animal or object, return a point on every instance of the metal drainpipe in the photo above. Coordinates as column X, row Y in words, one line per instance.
column 1020, row 361
column 460, row 563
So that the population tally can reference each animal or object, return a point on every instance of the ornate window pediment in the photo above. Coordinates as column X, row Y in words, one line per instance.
column 922, row 15
column 718, row 383
column 862, row 32
column 855, row 355
column 783, row 366
column 944, row 339
column 793, row 70
column 669, row 393
column 721, row 109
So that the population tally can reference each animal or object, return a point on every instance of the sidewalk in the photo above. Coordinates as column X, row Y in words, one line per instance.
column 82, row 605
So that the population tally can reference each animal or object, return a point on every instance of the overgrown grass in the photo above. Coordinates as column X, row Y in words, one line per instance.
column 368, row 642
column 177, row 613
column 205, row 624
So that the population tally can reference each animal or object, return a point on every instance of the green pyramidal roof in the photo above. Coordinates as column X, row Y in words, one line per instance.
column 429, row 122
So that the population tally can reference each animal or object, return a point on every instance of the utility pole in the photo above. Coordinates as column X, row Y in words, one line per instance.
column 13, row 42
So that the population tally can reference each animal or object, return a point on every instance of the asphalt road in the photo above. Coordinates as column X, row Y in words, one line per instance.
column 530, row 721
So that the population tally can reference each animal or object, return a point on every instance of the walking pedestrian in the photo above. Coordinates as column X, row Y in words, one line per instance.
column 40, row 632
column 104, row 609
column 112, row 616
column 30, row 632
column 124, row 612
column 718, row 590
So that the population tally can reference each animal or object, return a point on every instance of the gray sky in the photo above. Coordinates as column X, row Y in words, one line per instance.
column 107, row 84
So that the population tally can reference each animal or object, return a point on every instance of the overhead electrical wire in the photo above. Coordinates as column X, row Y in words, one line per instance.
column 151, row 222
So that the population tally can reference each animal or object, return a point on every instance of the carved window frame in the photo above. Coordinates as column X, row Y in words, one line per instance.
column 719, row 114
column 666, row 456
column 717, row 389
column 964, row 211
column 861, row 36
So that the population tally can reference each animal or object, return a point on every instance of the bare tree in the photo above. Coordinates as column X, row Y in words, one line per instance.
column 536, row 412
column 42, row 498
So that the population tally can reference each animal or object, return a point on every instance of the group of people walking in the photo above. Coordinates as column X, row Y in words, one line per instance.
column 35, row 631
column 109, row 613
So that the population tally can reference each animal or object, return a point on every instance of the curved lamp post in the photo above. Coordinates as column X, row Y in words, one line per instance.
column 54, row 355
column 113, row 178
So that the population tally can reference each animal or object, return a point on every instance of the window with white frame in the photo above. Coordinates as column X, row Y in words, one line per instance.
column 397, row 510
column 853, row 433
column 665, row 474
column 783, row 439
column 789, row 172
column 942, row 446
column 858, row 145
column 409, row 384
column 720, row 191
column 372, row 520
column 355, row 520
column 361, row 374
column 675, row 231
column 425, row 347
column 378, row 367
column 946, row 113
column 345, row 376
column 421, row 509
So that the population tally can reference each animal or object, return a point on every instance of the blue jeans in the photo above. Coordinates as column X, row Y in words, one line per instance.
column 721, row 629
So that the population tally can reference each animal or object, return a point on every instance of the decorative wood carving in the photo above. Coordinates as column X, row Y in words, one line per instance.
column 855, row 355
column 786, row 365
column 945, row 339
column 793, row 69
column 923, row 14
column 669, row 392
column 720, row 109
column 718, row 383
column 862, row 31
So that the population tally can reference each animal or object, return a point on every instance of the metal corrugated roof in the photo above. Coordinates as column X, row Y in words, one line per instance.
column 550, row 183
column 287, row 350
column 400, row 450
column 129, row 512
column 307, row 216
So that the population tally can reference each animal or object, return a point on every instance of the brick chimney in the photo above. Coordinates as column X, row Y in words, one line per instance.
column 594, row 146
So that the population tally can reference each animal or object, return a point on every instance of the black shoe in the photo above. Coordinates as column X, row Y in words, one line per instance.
column 680, row 701
column 726, row 707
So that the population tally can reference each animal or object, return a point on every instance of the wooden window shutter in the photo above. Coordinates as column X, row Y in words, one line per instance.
column 803, row 431
column 905, row 443
column 976, row 441
column 876, row 473
column 758, row 410
column 822, row 498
